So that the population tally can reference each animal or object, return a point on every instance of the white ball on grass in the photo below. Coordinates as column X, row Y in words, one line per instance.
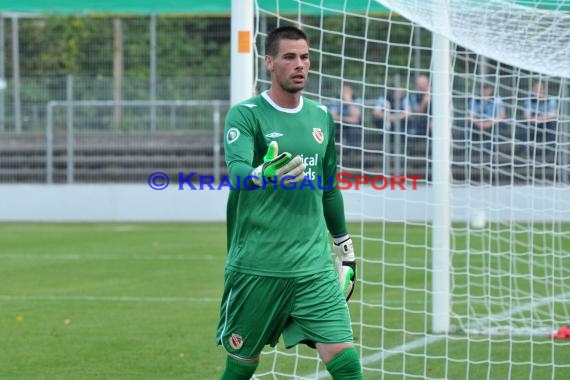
column 478, row 219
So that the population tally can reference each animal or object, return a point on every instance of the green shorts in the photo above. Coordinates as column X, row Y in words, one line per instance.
column 256, row 310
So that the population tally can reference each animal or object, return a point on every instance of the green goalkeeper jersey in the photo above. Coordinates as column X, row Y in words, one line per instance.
column 281, row 231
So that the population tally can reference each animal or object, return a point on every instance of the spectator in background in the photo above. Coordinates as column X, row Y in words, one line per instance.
column 419, row 120
column 389, row 114
column 347, row 116
column 540, row 117
column 487, row 114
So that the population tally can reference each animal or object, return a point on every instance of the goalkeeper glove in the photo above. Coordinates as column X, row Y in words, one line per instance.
column 345, row 264
column 276, row 166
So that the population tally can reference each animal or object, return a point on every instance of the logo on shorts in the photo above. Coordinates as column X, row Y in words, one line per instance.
column 236, row 341
column 318, row 135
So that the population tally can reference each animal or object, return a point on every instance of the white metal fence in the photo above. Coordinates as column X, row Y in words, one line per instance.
column 75, row 150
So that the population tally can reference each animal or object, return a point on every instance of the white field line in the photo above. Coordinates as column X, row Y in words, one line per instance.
column 87, row 298
column 58, row 298
column 77, row 256
column 429, row 339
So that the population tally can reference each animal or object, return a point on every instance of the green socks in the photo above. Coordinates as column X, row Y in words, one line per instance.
column 238, row 370
column 345, row 365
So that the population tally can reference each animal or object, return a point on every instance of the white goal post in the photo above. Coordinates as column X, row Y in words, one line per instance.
column 469, row 276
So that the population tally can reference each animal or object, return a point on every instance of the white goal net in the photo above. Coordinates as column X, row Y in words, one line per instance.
column 464, row 255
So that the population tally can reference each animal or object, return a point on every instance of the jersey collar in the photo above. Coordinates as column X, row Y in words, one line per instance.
column 278, row 108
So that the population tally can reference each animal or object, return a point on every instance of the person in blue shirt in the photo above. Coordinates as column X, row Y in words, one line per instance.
column 347, row 116
column 389, row 114
column 487, row 115
column 418, row 126
column 540, row 117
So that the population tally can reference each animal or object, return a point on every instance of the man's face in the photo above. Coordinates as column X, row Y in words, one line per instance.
column 347, row 92
column 422, row 84
column 539, row 90
column 290, row 67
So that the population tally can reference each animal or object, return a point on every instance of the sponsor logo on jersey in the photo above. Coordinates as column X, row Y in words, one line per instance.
column 232, row 135
column 273, row 135
column 318, row 135
column 236, row 341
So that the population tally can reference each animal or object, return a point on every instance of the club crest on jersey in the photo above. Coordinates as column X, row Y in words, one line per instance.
column 232, row 135
column 236, row 341
column 318, row 135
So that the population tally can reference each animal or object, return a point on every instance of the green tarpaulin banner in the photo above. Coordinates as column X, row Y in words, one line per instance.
column 197, row 7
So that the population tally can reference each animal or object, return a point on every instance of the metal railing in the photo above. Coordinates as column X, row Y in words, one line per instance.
column 70, row 106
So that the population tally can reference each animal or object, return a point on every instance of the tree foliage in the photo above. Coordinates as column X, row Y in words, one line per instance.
column 194, row 50
column 83, row 46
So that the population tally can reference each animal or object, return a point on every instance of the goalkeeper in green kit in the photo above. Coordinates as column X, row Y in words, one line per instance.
column 279, row 277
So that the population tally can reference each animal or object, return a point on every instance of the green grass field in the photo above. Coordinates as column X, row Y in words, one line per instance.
column 110, row 301
column 140, row 301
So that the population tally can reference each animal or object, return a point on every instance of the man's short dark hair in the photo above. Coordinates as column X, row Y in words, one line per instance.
column 282, row 33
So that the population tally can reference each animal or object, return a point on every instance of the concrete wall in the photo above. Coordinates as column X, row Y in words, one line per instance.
column 141, row 203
